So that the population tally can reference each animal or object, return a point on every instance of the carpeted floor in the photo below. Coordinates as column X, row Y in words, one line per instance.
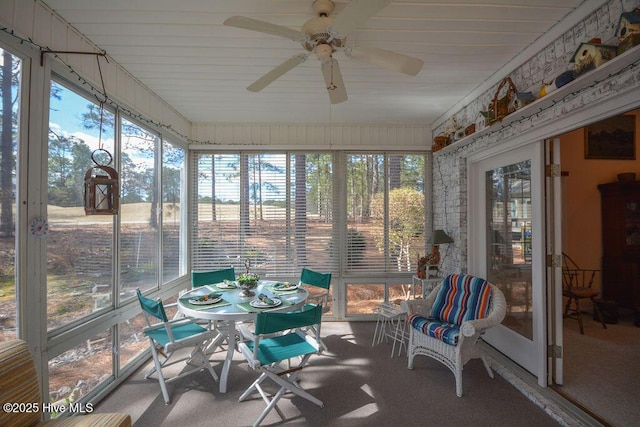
column 602, row 368
column 360, row 385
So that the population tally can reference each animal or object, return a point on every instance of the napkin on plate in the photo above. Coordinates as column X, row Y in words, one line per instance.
column 207, row 297
column 283, row 285
column 265, row 299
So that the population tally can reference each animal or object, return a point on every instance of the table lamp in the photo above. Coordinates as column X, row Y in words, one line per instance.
column 438, row 237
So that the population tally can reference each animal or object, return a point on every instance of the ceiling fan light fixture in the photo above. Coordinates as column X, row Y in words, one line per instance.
column 323, row 52
column 322, row 7
column 325, row 34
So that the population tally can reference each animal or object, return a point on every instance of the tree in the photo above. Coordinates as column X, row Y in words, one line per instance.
column 300, row 206
column 395, row 180
column 135, row 182
column 68, row 161
column 171, row 190
column 258, row 165
column 406, row 223
column 319, row 185
column 10, row 72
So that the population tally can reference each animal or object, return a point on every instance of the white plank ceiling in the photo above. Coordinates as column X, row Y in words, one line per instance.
column 182, row 51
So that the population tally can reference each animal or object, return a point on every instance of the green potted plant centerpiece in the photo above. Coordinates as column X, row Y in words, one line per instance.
column 247, row 282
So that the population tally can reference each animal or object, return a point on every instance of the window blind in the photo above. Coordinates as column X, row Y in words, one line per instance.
column 273, row 210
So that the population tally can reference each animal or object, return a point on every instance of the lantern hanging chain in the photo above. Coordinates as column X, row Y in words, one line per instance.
column 100, row 144
column 104, row 90
column 102, row 101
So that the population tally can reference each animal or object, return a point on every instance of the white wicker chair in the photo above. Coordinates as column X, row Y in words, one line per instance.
column 466, row 348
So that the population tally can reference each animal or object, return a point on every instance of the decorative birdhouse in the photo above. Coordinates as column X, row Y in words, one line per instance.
column 524, row 98
column 628, row 30
column 503, row 102
column 101, row 191
column 481, row 120
column 591, row 55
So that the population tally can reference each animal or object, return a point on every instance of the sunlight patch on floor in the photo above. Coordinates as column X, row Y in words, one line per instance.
column 363, row 412
column 359, row 362
column 367, row 390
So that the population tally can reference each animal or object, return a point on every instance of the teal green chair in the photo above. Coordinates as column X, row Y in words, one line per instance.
column 318, row 285
column 167, row 336
column 201, row 278
column 278, row 338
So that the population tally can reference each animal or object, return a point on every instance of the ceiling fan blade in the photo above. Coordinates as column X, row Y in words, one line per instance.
column 264, row 27
column 333, row 80
column 385, row 58
column 356, row 13
column 277, row 72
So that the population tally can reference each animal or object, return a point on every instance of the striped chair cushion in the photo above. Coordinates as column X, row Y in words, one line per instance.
column 462, row 297
column 18, row 383
column 446, row 332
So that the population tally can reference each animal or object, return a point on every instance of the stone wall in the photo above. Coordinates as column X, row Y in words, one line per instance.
column 550, row 62
column 450, row 199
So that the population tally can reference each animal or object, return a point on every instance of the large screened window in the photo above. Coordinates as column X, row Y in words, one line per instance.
column 173, row 211
column 79, row 247
column 273, row 210
column 139, row 207
column 385, row 212
column 95, row 262
column 10, row 77
column 385, row 217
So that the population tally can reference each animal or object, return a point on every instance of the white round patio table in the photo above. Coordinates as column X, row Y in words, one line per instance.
column 236, row 309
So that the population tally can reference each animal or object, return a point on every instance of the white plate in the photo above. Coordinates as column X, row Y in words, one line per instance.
column 259, row 304
column 280, row 287
column 227, row 285
column 204, row 302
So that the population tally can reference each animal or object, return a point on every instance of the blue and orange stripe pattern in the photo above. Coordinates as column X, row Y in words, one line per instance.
column 447, row 332
column 462, row 297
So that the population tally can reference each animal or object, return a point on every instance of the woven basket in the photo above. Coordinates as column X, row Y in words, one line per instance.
column 470, row 129
column 440, row 141
column 502, row 106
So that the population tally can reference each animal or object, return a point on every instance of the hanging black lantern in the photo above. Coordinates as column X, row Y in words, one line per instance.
column 101, row 188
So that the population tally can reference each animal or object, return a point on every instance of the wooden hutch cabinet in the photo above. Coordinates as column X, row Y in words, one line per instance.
column 621, row 243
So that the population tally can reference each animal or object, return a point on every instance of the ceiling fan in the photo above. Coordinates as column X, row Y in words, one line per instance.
column 324, row 35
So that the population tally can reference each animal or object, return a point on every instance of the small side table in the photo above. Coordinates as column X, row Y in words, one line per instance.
column 426, row 285
column 391, row 324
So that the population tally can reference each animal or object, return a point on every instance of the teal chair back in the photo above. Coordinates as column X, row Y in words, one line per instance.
column 314, row 278
column 201, row 278
column 152, row 307
column 268, row 323
column 322, row 281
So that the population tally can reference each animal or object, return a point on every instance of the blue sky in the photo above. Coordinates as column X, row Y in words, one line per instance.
column 65, row 117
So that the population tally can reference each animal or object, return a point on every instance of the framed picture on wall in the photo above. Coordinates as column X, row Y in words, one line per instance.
column 612, row 138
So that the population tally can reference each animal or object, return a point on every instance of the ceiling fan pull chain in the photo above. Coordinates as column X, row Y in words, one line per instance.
column 332, row 85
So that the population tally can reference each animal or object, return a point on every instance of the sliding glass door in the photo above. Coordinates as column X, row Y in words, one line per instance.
column 507, row 248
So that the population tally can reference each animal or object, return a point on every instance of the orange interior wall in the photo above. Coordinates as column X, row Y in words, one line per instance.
column 581, row 210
